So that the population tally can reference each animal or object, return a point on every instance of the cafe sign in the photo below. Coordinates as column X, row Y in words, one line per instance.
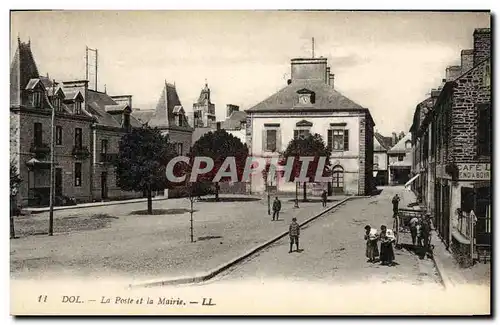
column 474, row 171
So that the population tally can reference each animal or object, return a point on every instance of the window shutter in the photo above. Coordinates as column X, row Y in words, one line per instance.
column 329, row 139
column 346, row 140
column 264, row 140
column 278, row 140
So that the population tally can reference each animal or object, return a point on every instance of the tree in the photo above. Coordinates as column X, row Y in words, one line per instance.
column 141, row 163
column 15, row 180
column 309, row 146
column 219, row 145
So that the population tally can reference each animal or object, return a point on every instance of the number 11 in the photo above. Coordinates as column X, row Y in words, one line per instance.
column 42, row 298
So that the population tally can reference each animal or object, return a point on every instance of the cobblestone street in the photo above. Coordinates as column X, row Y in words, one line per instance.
column 334, row 251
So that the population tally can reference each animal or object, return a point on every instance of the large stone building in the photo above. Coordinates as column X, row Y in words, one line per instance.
column 88, row 125
column 455, row 148
column 310, row 104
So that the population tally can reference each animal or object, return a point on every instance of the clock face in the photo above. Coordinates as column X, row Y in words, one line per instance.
column 304, row 99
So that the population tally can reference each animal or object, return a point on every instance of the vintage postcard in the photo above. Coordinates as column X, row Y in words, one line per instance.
column 250, row 162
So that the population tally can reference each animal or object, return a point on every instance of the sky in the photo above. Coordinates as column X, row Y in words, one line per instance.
column 385, row 61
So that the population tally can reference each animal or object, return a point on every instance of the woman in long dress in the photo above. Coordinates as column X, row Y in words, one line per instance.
column 386, row 250
column 371, row 238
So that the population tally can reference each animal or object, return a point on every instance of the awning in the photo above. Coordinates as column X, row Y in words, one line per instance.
column 411, row 180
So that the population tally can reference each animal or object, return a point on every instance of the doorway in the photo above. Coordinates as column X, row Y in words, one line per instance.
column 338, row 180
column 58, row 182
column 104, row 185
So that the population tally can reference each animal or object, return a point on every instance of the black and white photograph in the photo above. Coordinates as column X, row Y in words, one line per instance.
column 250, row 162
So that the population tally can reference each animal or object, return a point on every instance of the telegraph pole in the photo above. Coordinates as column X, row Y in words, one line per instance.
column 52, row 167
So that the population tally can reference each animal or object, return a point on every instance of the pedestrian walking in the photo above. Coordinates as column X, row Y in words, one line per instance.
column 294, row 232
column 413, row 229
column 276, row 208
column 386, row 250
column 324, row 197
column 371, row 238
column 426, row 234
column 395, row 205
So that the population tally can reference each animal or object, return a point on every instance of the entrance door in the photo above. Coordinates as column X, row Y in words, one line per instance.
column 338, row 179
column 104, row 185
column 58, row 182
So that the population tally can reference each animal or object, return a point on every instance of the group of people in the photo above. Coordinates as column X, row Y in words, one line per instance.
column 386, row 239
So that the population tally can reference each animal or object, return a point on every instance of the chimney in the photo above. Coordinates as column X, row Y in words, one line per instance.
column 467, row 60
column 123, row 99
column 327, row 76
column 331, row 78
column 394, row 138
column 482, row 45
column 230, row 108
column 313, row 69
column 453, row 72
column 80, row 85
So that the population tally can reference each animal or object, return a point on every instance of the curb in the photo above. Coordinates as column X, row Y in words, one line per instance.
column 201, row 277
column 70, row 207
column 445, row 280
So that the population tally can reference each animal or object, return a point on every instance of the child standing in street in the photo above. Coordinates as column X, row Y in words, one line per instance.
column 294, row 232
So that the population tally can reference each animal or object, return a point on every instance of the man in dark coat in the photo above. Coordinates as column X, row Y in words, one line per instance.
column 324, row 197
column 294, row 233
column 395, row 205
column 276, row 209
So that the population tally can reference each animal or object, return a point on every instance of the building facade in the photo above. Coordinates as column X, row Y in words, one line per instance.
column 79, row 128
column 380, row 160
column 310, row 104
column 455, row 143
column 400, row 161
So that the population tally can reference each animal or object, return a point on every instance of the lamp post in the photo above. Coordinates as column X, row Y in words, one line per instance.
column 52, row 167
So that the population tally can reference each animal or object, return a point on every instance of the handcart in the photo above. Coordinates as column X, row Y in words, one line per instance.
column 401, row 224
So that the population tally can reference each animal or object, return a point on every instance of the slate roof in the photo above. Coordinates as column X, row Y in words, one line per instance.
column 163, row 116
column 233, row 122
column 400, row 146
column 97, row 102
column 384, row 142
column 326, row 97
column 22, row 69
column 143, row 116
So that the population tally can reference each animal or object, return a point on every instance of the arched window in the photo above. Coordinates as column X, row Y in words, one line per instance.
column 408, row 144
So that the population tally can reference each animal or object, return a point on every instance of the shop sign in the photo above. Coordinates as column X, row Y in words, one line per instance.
column 474, row 171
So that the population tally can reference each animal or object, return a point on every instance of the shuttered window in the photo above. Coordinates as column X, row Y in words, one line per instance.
column 338, row 140
column 271, row 138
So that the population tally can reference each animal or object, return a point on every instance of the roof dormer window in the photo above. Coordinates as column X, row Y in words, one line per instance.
column 36, row 98
column 78, row 107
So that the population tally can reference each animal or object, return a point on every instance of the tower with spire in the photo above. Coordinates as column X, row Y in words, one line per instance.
column 204, row 109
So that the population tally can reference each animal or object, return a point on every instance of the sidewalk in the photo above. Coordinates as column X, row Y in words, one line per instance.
column 90, row 205
column 451, row 273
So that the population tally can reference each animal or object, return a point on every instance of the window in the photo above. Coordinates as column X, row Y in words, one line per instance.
column 58, row 135
column 180, row 120
column 401, row 157
column 57, row 103
column 484, row 130
column 78, row 107
column 271, row 137
column 338, row 140
column 104, row 146
column 78, row 174
column 179, row 148
column 487, row 75
column 78, row 138
column 302, row 133
column 375, row 162
column 37, row 135
column 36, row 99
column 408, row 144
column 126, row 120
